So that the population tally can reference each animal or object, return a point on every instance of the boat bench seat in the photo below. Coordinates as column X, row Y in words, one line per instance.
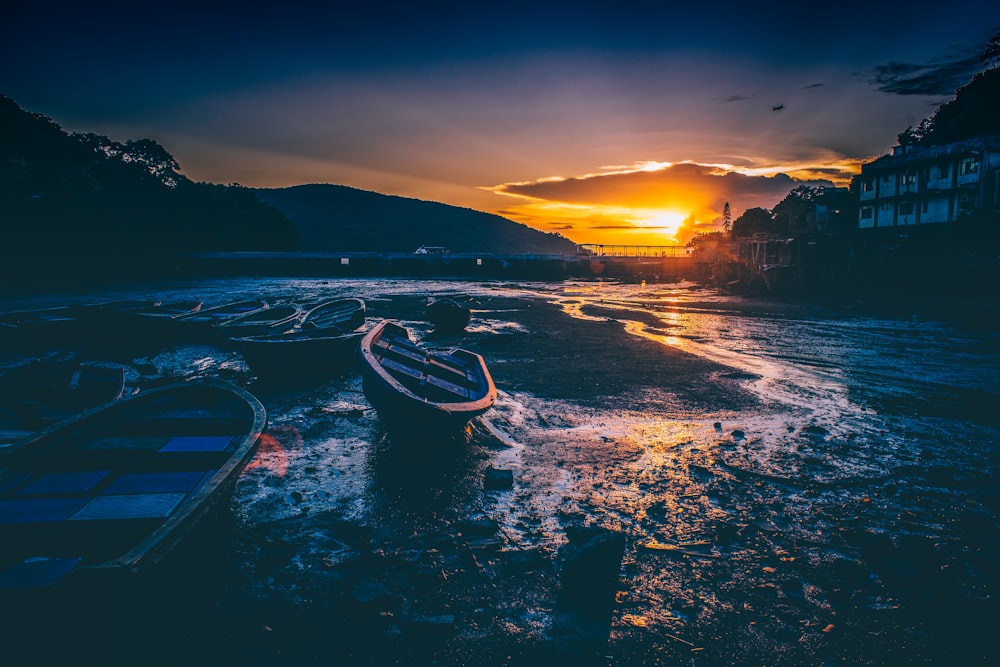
column 402, row 369
column 401, row 351
column 149, row 453
column 454, row 374
column 128, row 507
column 451, row 391
column 450, row 387
column 432, row 365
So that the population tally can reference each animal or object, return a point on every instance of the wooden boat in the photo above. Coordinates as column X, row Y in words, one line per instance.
column 39, row 393
column 109, row 494
column 343, row 314
column 306, row 353
column 127, row 326
column 199, row 325
column 40, row 329
column 128, row 311
column 322, row 344
column 275, row 319
column 422, row 391
column 447, row 315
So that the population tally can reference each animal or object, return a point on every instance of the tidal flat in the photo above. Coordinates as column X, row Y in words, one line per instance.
column 794, row 484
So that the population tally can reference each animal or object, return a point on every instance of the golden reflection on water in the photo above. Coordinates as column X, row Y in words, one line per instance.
column 640, row 329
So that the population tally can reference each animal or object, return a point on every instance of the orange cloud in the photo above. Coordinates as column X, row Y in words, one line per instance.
column 655, row 203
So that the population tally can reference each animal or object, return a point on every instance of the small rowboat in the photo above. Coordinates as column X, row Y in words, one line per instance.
column 276, row 319
column 297, row 355
column 41, row 329
column 126, row 327
column 199, row 326
column 108, row 494
column 40, row 393
column 209, row 316
column 323, row 344
column 415, row 390
column 343, row 314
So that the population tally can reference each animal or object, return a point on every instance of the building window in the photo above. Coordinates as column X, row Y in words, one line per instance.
column 968, row 166
column 867, row 185
column 924, row 206
column 867, row 212
column 943, row 170
column 909, row 178
column 906, row 208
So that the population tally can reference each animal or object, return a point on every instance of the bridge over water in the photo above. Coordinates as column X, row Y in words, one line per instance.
column 627, row 262
column 637, row 251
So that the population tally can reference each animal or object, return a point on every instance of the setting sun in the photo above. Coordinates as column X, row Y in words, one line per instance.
column 666, row 222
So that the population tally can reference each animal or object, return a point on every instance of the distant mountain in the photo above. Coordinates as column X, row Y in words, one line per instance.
column 337, row 217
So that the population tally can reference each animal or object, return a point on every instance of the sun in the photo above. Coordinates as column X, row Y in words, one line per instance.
column 667, row 222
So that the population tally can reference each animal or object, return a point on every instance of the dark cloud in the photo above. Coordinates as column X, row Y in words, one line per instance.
column 939, row 77
column 731, row 98
column 811, row 86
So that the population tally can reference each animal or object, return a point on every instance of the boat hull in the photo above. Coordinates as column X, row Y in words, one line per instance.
column 111, row 493
column 418, row 393
column 40, row 393
column 300, row 354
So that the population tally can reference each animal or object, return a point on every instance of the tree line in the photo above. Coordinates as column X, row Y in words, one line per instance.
column 74, row 197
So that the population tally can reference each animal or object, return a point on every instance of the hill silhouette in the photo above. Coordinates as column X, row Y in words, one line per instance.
column 337, row 217
column 81, row 204
column 66, row 193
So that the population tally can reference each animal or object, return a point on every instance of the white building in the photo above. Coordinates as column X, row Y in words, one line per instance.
column 918, row 185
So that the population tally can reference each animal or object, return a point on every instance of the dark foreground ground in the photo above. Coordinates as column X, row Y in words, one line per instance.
column 595, row 550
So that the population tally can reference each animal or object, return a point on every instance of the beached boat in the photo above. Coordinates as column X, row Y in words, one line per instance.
column 419, row 391
column 343, row 314
column 199, row 325
column 447, row 315
column 110, row 493
column 39, row 393
column 306, row 353
column 43, row 328
column 128, row 326
column 323, row 343
column 276, row 319
column 125, row 312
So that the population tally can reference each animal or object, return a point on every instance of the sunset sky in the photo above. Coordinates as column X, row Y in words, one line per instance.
column 605, row 122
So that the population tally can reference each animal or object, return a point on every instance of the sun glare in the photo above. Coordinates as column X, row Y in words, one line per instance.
column 667, row 221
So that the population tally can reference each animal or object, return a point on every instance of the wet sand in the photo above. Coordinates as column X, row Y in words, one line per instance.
column 345, row 547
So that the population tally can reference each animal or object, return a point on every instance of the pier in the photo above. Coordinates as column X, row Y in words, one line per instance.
column 653, row 263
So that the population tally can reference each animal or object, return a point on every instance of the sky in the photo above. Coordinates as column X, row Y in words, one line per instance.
column 613, row 122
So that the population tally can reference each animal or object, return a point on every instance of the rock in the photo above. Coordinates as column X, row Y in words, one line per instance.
column 589, row 577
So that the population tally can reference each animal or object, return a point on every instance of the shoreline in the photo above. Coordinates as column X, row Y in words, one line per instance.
column 345, row 548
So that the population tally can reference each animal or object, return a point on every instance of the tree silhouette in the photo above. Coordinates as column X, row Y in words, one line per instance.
column 72, row 198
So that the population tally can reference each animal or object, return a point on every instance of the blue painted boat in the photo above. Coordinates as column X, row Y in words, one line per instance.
column 108, row 495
